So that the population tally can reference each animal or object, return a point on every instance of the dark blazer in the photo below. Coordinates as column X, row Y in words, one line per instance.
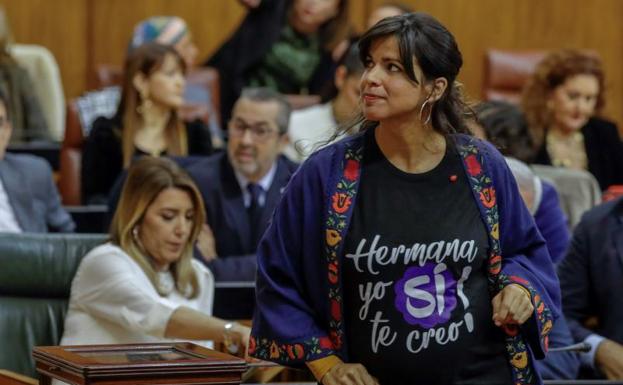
column 604, row 151
column 244, row 50
column 102, row 156
column 32, row 194
column 228, row 218
column 227, row 215
column 591, row 275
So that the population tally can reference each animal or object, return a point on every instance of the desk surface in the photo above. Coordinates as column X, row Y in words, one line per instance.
column 10, row 378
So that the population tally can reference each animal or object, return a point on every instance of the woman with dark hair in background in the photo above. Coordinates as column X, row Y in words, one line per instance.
column 146, row 122
column 282, row 44
column 561, row 102
column 404, row 254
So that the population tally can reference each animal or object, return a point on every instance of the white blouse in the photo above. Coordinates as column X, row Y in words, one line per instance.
column 113, row 302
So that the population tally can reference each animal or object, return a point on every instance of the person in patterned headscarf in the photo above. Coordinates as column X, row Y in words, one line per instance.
column 167, row 30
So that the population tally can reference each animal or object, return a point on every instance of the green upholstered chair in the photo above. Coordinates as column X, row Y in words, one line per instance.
column 36, row 271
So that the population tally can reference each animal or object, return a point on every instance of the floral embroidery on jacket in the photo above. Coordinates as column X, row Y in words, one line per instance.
column 340, row 207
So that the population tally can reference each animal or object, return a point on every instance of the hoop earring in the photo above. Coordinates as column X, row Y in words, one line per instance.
column 430, row 114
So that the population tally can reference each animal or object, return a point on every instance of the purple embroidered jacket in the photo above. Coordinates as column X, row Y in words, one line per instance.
column 299, row 300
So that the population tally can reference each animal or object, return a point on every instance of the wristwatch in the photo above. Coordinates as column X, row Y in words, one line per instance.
column 231, row 346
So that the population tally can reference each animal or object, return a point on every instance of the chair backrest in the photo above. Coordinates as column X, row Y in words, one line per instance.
column 35, row 281
column 578, row 190
column 108, row 75
column 70, row 163
column 506, row 73
column 46, row 77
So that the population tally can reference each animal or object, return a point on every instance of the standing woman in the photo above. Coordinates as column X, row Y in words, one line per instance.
column 404, row 254
column 146, row 122
column 282, row 44
column 561, row 102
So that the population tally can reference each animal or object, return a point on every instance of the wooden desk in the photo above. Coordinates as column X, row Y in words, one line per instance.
column 10, row 378
column 163, row 364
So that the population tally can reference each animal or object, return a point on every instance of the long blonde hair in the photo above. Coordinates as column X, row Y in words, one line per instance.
column 550, row 73
column 146, row 59
column 147, row 178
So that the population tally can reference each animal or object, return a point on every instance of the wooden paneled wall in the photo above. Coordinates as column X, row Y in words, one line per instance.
column 84, row 33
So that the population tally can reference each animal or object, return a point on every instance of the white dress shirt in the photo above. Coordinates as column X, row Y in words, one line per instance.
column 8, row 221
column 265, row 183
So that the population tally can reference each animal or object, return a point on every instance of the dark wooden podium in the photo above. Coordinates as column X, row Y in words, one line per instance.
column 163, row 364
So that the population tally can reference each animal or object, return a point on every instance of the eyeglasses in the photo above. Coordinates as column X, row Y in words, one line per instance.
column 259, row 133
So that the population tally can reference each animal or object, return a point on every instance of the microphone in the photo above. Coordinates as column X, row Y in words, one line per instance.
column 581, row 347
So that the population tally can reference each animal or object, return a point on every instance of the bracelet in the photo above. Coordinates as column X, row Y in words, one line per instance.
column 231, row 346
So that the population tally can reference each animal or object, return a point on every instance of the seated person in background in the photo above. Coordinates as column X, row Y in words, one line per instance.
column 173, row 31
column 499, row 122
column 542, row 200
column 505, row 126
column 282, row 44
column 561, row 102
column 316, row 125
column 26, row 114
column 591, row 280
column 29, row 200
column 242, row 186
column 146, row 122
column 166, row 30
column 387, row 9
column 144, row 285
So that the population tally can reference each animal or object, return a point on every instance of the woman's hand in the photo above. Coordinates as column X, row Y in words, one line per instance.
column 348, row 374
column 512, row 305
column 236, row 339
column 206, row 243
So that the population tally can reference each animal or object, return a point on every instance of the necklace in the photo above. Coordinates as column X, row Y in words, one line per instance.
column 567, row 150
column 166, row 283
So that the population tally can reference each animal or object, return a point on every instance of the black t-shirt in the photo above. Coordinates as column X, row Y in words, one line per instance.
column 417, row 305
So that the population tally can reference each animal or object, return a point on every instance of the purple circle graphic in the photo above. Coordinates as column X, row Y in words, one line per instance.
column 426, row 295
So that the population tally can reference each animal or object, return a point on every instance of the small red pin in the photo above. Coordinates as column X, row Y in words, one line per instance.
column 453, row 178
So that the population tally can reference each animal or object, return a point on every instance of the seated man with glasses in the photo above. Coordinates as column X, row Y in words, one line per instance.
column 242, row 186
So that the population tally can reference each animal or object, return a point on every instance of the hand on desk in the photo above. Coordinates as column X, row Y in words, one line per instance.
column 348, row 374
column 609, row 358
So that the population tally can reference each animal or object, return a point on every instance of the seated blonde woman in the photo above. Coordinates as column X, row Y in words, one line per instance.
column 144, row 285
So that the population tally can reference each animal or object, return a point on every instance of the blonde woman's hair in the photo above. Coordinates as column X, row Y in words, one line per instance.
column 147, row 178
column 550, row 73
column 146, row 59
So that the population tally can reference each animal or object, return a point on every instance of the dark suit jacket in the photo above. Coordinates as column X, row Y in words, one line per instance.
column 227, row 215
column 32, row 194
column 591, row 276
column 604, row 151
